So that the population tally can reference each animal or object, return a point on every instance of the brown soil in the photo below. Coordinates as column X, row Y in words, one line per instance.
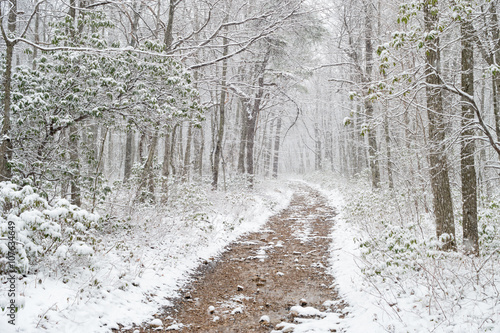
column 263, row 273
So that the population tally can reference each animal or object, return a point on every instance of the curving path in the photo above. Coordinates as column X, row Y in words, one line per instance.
column 272, row 280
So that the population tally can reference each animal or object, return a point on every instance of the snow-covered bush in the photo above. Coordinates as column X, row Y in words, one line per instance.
column 187, row 196
column 50, row 232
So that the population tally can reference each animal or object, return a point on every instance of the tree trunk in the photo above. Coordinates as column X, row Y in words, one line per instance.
column 165, row 171
column 65, row 182
column 388, row 152
column 269, row 149
column 243, row 138
column 277, row 148
column 200, row 147
column 252, row 120
column 36, row 36
column 75, row 161
column 93, row 139
column 468, row 170
column 147, row 178
column 172, row 150
column 142, row 143
column 317, row 144
column 6, row 143
column 372, row 146
column 168, row 39
column 99, row 169
column 342, row 153
column 442, row 202
column 496, row 103
column 135, row 24
column 129, row 155
column 129, row 145
column 110, row 156
column 495, row 34
column 187, row 153
column 372, row 134
column 222, row 119
column 361, row 161
column 180, row 147
column 330, row 146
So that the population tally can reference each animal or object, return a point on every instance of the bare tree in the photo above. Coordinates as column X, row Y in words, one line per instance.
column 468, row 169
column 440, row 183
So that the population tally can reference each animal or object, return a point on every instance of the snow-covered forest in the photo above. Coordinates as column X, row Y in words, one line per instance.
column 142, row 139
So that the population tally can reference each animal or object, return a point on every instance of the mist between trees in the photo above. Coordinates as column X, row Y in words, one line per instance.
column 137, row 96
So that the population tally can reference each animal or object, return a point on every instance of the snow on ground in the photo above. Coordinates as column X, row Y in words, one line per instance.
column 364, row 313
column 143, row 262
column 387, row 267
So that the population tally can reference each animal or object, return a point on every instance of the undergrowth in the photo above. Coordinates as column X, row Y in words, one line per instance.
column 419, row 286
column 403, row 261
column 35, row 232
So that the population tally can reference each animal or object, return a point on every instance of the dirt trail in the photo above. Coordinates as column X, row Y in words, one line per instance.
column 262, row 274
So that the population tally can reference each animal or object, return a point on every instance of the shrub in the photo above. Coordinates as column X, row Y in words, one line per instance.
column 54, row 231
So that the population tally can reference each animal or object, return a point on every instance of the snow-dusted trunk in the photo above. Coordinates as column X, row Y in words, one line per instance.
column 129, row 154
column 36, row 36
column 252, row 120
column 358, row 149
column 75, row 162
column 99, row 168
column 180, row 147
column 372, row 133
column 129, row 145
column 268, row 151
column 318, row 163
column 168, row 38
column 110, row 156
column 92, row 140
column 485, row 182
column 135, row 23
column 388, row 151
column 165, row 171
column 496, row 104
column 172, row 150
column 440, row 183
column 6, row 143
column 277, row 148
column 147, row 177
column 222, row 120
column 243, row 138
column 495, row 34
column 199, row 147
column 142, row 143
column 187, row 153
column 65, row 182
column 468, row 169
column 342, row 139
column 329, row 145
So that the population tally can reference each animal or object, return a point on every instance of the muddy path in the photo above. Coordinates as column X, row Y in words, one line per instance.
column 265, row 279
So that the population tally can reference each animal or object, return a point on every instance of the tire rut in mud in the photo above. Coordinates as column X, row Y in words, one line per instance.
column 262, row 274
